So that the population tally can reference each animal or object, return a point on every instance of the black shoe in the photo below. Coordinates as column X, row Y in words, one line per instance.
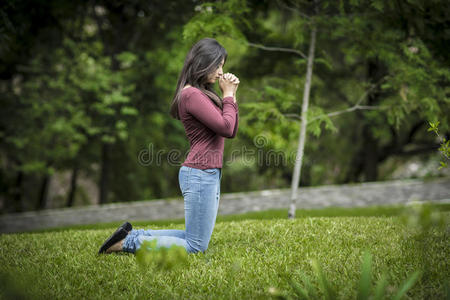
column 117, row 236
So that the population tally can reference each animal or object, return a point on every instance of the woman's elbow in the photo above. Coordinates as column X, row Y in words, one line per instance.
column 226, row 131
column 231, row 133
column 232, row 136
column 226, row 134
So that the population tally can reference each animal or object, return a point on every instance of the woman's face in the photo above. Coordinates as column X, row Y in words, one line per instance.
column 218, row 73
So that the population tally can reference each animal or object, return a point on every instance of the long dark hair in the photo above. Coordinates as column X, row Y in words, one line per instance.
column 203, row 59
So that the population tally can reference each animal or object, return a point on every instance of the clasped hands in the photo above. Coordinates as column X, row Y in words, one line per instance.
column 229, row 83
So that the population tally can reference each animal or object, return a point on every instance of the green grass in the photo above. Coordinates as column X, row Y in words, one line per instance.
column 247, row 258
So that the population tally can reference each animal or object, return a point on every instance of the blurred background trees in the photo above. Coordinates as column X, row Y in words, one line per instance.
column 86, row 87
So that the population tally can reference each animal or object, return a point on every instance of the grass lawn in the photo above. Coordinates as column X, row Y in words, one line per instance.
column 247, row 258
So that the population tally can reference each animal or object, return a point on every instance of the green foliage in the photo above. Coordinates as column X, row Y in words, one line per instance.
column 275, row 112
column 69, row 88
column 424, row 221
column 327, row 291
column 70, row 98
column 414, row 76
column 423, row 217
column 12, row 289
column 112, row 108
column 215, row 20
column 324, row 284
column 162, row 258
column 224, row 21
column 317, row 119
column 366, row 277
column 444, row 143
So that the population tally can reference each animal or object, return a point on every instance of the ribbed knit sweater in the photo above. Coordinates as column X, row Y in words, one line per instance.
column 206, row 127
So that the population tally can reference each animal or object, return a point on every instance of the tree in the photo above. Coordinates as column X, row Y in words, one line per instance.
column 85, row 76
column 304, row 122
column 88, row 84
column 367, row 35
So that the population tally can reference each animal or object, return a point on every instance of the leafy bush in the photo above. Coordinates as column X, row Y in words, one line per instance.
column 149, row 255
column 366, row 290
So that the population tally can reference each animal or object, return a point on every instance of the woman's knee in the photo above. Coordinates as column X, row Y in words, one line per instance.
column 197, row 247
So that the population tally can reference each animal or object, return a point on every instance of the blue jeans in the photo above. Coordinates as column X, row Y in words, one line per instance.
column 201, row 192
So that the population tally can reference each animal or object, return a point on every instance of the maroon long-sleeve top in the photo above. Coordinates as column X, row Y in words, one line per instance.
column 206, row 127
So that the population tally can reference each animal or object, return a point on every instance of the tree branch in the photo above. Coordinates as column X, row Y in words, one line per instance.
column 364, row 95
column 339, row 112
column 295, row 116
column 357, row 106
column 350, row 109
column 295, row 51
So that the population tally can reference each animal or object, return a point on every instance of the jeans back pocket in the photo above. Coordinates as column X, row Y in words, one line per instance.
column 210, row 171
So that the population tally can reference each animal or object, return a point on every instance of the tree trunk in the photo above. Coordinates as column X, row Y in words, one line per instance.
column 355, row 167
column 104, row 176
column 370, row 146
column 370, row 142
column 302, row 137
column 42, row 203
column 73, row 186
column 17, row 192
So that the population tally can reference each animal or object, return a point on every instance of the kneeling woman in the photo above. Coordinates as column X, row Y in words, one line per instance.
column 207, row 120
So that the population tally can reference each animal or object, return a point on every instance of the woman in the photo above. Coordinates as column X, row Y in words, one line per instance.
column 207, row 120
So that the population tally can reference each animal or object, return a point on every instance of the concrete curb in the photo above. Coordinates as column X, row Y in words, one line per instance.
column 354, row 195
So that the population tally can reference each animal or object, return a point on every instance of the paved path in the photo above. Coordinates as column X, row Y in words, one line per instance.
column 355, row 195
